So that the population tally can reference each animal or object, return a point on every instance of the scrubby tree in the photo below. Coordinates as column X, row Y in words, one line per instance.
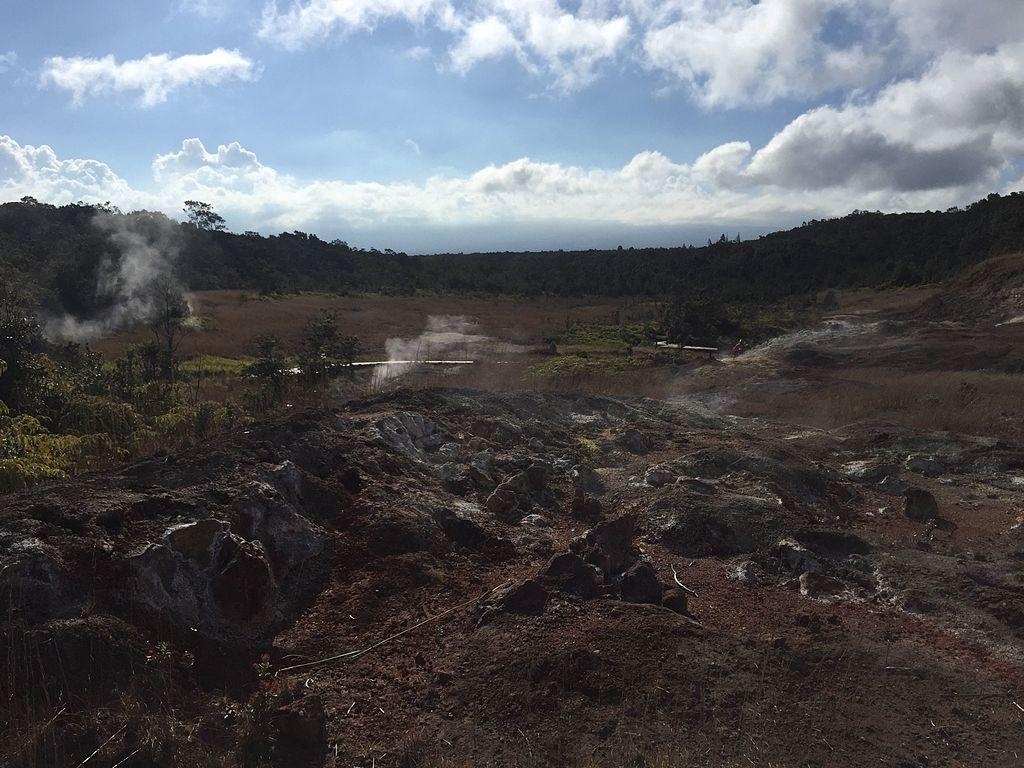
column 270, row 372
column 202, row 216
column 325, row 350
column 697, row 321
column 20, row 341
column 167, row 321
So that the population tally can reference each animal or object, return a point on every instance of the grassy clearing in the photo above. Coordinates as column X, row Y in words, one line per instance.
column 215, row 365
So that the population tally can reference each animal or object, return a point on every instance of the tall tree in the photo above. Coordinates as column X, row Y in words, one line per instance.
column 202, row 216
column 325, row 351
column 167, row 322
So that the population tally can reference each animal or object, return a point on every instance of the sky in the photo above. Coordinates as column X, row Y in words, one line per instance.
column 460, row 125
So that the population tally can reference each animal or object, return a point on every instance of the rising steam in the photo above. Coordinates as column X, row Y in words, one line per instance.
column 130, row 280
column 446, row 337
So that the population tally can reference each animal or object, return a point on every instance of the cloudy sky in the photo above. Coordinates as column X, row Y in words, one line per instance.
column 431, row 125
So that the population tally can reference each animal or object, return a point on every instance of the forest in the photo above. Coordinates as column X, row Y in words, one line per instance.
column 63, row 257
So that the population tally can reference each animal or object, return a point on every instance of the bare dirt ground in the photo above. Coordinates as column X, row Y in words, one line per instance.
column 844, row 508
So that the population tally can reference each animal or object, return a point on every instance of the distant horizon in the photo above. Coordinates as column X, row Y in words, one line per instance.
column 553, row 241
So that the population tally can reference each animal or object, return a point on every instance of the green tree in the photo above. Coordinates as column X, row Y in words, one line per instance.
column 270, row 372
column 167, row 321
column 325, row 351
column 697, row 321
column 20, row 342
column 202, row 216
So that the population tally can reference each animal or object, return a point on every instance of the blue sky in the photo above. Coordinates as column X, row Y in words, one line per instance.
column 433, row 125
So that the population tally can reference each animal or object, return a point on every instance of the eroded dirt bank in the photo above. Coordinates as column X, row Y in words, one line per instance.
column 850, row 599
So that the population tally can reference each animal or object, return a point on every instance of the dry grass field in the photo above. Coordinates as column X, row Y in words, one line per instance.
column 232, row 320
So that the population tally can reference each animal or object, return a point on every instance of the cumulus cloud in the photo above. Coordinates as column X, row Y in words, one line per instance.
column 941, row 25
column 651, row 190
column 960, row 123
column 38, row 172
column 726, row 53
column 485, row 38
column 733, row 52
column 154, row 76
column 542, row 35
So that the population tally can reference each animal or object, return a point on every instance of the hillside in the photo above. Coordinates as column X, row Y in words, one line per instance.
column 66, row 256
column 992, row 292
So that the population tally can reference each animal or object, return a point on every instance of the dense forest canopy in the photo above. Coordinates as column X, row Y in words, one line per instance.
column 72, row 258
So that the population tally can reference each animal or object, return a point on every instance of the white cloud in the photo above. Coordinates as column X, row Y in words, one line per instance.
column 727, row 53
column 413, row 146
column 733, row 52
column 207, row 9
column 960, row 123
column 941, row 25
column 418, row 53
column 317, row 19
column 7, row 61
column 541, row 34
column 37, row 171
column 155, row 77
column 651, row 190
column 486, row 38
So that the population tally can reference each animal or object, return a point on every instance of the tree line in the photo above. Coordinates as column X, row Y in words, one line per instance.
column 58, row 256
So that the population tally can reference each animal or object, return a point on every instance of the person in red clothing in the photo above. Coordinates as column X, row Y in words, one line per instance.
column 738, row 347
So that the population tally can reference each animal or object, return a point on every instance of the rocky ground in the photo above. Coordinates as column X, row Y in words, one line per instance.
column 634, row 582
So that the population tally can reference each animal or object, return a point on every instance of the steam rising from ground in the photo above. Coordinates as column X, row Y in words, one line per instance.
column 130, row 280
column 446, row 338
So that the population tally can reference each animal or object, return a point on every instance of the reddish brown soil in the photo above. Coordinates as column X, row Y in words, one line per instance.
column 757, row 674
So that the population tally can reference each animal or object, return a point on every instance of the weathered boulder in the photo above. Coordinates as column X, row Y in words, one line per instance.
column 585, row 507
column 528, row 599
column 404, row 530
column 660, row 475
column 749, row 573
column 676, row 600
column 503, row 503
column 460, row 528
column 634, row 441
column 288, row 537
column 870, row 470
column 204, row 576
column 609, row 545
column 795, row 556
column 34, row 580
column 920, row 505
column 243, row 588
column 410, row 433
column 568, row 573
column 640, row 584
column 892, row 485
column 818, row 585
column 195, row 540
column 925, row 465
column 537, row 476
